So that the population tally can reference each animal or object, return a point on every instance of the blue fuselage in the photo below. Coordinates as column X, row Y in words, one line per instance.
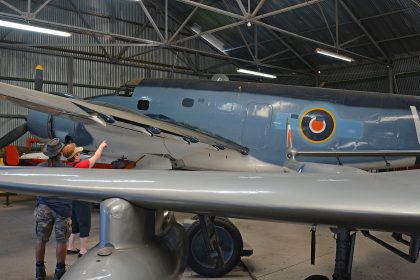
column 255, row 115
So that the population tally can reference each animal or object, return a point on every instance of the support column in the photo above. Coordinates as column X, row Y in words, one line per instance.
column 391, row 79
column 70, row 75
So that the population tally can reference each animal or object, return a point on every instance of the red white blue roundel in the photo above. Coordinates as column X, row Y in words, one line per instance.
column 317, row 125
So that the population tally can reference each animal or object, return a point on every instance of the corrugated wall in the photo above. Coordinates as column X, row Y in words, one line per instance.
column 92, row 74
column 376, row 78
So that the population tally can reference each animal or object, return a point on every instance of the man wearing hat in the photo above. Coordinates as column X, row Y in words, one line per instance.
column 52, row 212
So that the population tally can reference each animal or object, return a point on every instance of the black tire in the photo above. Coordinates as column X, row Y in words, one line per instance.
column 231, row 243
column 317, row 277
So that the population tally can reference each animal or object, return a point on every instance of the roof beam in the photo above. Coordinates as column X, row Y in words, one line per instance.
column 244, row 20
column 352, row 40
column 326, row 24
column 152, row 22
column 357, row 21
column 416, row 3
column 100, row 58
column 41, row 7
column 137, row 34
column 274, row 55
column 242, row 7
column 156, row 44
column 293, row 51
column 331, row 26
column 155, row 3
column 211, row 31
column 12, row 7
column 217, row 65
column 257, row 9
column 186, row 61
column 100, row 45
column 221, row 56
column 212, row 9
column 76, row 8
column 287, row 9
column 183, row 24
column 316, row 42
column 144, row 52
column 82, row 30
column 246, row 43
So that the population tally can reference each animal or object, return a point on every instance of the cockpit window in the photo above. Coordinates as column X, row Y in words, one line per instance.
column 125, row 91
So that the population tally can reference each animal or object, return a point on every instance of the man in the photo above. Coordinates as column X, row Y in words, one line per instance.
column 52, row 212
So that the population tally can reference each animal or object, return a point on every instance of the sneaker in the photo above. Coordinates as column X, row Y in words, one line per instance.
column 59, row 272
column 40, row 272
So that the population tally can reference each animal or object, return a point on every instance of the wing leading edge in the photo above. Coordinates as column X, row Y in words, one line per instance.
column 90, row 113
column 385, row 201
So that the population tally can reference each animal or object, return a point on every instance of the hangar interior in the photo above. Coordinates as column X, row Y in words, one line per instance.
column 115, row 41
column 119, row 40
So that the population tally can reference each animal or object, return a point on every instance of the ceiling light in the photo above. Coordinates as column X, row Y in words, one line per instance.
column 256, row 73
column 33, row 28
column 333, row 54
column 210, row 38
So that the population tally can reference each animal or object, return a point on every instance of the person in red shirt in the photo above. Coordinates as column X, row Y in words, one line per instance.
column 81, row 211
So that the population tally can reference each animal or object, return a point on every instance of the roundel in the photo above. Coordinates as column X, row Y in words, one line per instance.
column 317, row 125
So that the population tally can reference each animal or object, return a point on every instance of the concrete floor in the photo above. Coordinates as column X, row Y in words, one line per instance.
column 281, row 251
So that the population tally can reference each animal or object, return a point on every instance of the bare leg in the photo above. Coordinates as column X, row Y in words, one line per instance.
column 61, row 252
column 72, row 242
column 40, row 251
column 83, row 245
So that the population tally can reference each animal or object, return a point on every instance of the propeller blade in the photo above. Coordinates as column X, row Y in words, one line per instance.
column 13, row 135
column 39, row 77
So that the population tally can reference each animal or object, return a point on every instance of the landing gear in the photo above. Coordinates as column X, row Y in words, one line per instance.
column 343, row 256
column 218, row 250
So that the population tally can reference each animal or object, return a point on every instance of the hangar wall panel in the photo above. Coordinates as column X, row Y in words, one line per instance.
column 90, row 78
column 374, row 77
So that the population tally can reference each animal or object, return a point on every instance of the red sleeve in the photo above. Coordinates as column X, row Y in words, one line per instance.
column 82, row 164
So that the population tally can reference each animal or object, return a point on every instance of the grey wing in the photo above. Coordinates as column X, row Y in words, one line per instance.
column 386, row 201
column 90, row 113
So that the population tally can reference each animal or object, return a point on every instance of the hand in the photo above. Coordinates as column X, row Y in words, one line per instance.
column 103, row 145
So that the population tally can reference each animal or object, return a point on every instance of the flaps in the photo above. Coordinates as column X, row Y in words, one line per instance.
column 366, row 153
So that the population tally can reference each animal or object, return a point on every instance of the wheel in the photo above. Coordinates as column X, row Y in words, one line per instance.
column 230, row 240
column 317, row 277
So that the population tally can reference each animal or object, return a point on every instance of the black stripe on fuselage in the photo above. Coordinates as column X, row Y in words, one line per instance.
column 337, row 96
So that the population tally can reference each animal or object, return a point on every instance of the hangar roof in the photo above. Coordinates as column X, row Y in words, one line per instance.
column 278, row 37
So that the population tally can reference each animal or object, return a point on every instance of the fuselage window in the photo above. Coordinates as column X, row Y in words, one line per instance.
column 125, row 91
column 188, row 102
column 143, row 105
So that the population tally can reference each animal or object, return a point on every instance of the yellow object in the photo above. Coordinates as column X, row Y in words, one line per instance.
column 1, row 161
column 39, row 67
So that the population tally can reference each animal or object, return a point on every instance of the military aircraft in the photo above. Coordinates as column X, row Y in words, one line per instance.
column 228, row 126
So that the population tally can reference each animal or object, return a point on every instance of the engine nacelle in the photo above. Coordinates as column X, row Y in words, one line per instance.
column 135, row 243
column 46, row 126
